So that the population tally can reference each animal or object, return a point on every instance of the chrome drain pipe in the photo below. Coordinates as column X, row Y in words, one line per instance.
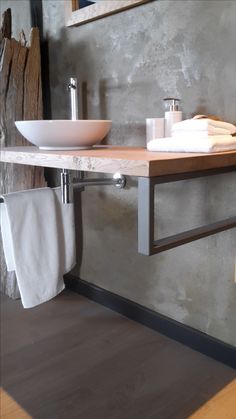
column 66, row 190
column 67, row 186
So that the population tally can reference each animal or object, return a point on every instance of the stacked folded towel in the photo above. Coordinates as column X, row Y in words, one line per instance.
column 203, row 127
column 197, row 135
column 211, row 144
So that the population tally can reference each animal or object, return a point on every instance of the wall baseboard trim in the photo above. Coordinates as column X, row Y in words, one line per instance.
column 186, row 335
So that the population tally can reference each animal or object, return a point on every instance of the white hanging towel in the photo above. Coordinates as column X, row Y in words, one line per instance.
column 193, row 144
column 39, row 242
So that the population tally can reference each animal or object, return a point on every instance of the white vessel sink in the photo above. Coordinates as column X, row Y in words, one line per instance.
column 64, row 134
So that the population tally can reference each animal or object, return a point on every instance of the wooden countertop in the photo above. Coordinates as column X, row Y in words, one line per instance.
column 131, row 161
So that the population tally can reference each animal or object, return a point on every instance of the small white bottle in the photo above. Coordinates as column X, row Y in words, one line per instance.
column 172, row 114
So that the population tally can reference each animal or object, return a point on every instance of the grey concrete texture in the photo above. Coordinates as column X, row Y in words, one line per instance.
column 127, row 63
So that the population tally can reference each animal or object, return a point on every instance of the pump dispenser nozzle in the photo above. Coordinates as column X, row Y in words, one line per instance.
column 171, row 104
column 172, row 114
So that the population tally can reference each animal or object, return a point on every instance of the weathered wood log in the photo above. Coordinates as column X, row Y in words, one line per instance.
column 5, row 31
column 20, row 98
column 32, row 79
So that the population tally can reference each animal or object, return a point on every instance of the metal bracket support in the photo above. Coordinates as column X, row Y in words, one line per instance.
column 67, row 186
column 146, row 195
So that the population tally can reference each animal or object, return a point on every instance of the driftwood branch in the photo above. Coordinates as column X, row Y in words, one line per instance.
column 6, row 28
column 20, row 99
column 5, row 31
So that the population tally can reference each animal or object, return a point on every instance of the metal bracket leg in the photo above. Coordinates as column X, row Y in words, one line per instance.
column 145, row 215
column 146, row 188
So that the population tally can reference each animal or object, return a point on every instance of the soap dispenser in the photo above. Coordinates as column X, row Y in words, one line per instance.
column 172, row 114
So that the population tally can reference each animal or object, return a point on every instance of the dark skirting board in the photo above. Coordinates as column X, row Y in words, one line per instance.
column 186, row 335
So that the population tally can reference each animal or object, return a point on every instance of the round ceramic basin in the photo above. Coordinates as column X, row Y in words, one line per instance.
column 64, row 134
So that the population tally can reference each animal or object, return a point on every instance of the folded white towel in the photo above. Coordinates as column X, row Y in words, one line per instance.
column 203, row 133
column 210, row 126
column 195, row 134
column 211, row 144
column 39, row 242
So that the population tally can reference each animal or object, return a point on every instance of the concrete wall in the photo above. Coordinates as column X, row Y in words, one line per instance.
column 128, row 62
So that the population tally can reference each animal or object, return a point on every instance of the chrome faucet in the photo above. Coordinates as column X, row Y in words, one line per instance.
column 73, row 98
column 67, row 184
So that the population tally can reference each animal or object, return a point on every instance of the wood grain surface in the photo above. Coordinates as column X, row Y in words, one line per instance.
column 131, row 161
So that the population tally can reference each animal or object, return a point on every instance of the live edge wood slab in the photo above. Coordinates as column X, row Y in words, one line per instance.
column 133, row 161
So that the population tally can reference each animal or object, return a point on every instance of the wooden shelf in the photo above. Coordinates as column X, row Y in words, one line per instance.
column 131, row 161
column 76, row 16
column 151, row 168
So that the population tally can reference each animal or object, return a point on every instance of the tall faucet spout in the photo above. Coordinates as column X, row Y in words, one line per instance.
column 74, row 98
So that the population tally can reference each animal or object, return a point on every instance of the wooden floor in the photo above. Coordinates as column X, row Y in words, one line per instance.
column 221, row 406
column 72, row 358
